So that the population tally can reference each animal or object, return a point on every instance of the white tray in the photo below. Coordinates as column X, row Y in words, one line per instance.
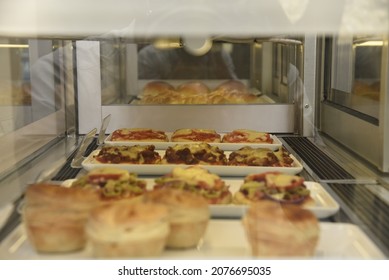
column 325, row 206
column 160, row 169
column 224, row 239
column 224, row 146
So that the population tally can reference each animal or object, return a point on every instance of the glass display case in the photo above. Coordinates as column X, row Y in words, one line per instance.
column 313, row 75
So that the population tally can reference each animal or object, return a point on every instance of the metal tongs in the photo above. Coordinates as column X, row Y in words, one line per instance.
column 79, row 157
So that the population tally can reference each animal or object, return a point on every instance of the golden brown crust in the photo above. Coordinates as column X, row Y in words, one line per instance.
column 282, row 213
column 58, row 196
column 195, row 87
column 189, row 215
column 123, row 229
column 281, row 230
column 156, row 87
column 232, row 85
column 127, row 213
column 176, row 198
column 55, row 216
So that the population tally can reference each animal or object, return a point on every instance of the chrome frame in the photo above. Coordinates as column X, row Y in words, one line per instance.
column 370, row 141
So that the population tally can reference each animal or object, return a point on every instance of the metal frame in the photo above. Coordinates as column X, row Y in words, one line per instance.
column 370, row 141
column 274, row 118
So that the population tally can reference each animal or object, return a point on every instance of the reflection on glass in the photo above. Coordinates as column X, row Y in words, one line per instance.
column 367, row 69
column 29, row 82
column 15, row 88
column 356, row 73
column 177, row 63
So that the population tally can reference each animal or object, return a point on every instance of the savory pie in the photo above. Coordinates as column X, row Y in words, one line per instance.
column 195, row 153
column 248, row 156
column 198, row 180
column 112, row 183
column 276, row 186
column 137, row 154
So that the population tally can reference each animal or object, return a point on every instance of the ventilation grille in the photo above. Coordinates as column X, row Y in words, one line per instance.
column 371, row 210
column 321, row 164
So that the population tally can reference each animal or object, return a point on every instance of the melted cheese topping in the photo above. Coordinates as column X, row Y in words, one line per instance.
column 119, row 174
column 197, row 134
column 247, row 135
column 259, row 153
column 253, row 135
column 197, row 147
column 282, row 180
column 194, row 174
column 138, row 134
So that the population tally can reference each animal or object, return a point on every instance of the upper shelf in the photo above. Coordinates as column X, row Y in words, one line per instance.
column 131, row 18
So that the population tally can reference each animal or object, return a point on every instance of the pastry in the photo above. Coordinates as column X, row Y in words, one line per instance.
column 55, row 216
column 189, row 215
column 128, row 230
column 277, row 186
column 277, row 230
column 112, row 183
column 197, row 180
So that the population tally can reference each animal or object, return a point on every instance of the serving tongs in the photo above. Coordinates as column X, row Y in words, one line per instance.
column 86, row 141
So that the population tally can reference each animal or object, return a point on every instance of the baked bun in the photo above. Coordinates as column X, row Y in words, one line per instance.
column 156, row 87
column 128, row 230
column 189, row 215
column 232, row 86
column 193, row 88
column 280, row 230
column 276, row 186
column 54, row 216
column 197, row 180
column 112, row 183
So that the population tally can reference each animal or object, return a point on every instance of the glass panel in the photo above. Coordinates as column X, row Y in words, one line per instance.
column 15, row 87
column 356, row 73
column 29, row 78
column 224, row 74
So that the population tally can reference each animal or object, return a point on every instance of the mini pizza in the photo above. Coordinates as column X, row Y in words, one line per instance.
column 198, row 180
column 276, row 186
column 114, row 183
column 137, row 154
column 284, row 157
column 138, row 135
column 247, row 136
column 195, row 153
column 196, row 135
column 248, row 156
